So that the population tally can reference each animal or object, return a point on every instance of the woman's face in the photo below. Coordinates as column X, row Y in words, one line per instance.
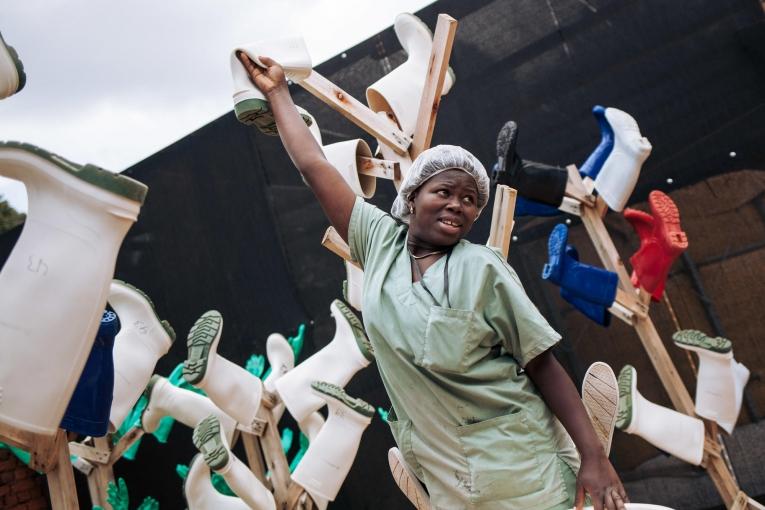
column 445, row 207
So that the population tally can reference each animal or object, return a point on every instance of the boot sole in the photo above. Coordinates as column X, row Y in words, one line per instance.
column 556, row 246
column 257, row 112
column 337, row 393
column 21, row 77
column 205, row 333
column 407, row 481
column 627, row 386
column 209, row 441
column 142, row 295
column 506, row 139
column 694, row 340
column 600, row 394
column 91, row 174
column 667, row 221
column 362, row 340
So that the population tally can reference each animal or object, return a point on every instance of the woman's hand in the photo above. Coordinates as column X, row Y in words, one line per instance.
column 598, row 478
column 270, row 79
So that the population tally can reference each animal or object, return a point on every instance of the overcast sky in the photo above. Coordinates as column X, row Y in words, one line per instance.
column 111, row 82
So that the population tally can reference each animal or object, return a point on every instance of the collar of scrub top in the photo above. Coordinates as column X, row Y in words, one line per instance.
column 446, row 277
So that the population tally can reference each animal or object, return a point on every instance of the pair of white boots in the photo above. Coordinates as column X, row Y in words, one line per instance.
column 54, row 285
column 719, row 393
column 620, row 171
column 238, row 393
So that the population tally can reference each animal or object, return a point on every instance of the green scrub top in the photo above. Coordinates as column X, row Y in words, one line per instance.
column 468, row 420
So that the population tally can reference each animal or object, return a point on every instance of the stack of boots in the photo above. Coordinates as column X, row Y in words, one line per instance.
column 592, row 165
column 721, row 379
column 345, row 157
column 213, row 445
column 330, row 455
column 399, row 92
column 12, row 77
column 594, row 311
column 600, row 395
column 201, row 494
column 675, row 433
column 621, row 169
column 406, row 480
column 583, row 281
column 353, row 286
column 281, row 359
column 185, row 406
column 538, row 182
column 142, row 340
column 524, row 207
column 88, row 411
column 250, row 105
column 232, row 388
column 347, row 353
column 55, row 281
column 662, row 241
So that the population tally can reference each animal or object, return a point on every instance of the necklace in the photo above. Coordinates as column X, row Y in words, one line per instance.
column 418, row 257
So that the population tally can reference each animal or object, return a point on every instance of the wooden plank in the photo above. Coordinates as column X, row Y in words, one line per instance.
column 443, row 40
column 63, row 492
column 334, row 243
column 276, row 461
column 620, row 311
column 255, row 458
column 381, row 168
column 403, row 160
column 294, row 495
column 353, row 110
column 575, row 187
column 89, row 453
column 124, row 444
column 502, row 219
column 570, row 206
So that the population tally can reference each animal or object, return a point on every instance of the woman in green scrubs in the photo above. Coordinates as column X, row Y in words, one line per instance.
column 482, row 411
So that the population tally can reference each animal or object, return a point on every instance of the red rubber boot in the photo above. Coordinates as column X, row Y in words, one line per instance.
column 662, row 240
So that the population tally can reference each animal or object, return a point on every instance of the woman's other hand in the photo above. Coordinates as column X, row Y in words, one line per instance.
column 269, row 79
column 598, row 478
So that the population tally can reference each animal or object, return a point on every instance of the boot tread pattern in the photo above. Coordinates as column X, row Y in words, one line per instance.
column 600, row 394
column 667, row 218
column 202, row 335
column 696, row 338
column 339, row 394
column 17, row 63
column 409, row 486
column 358, row 330
column 207, row 438
column 109, row 181
column 624, row 417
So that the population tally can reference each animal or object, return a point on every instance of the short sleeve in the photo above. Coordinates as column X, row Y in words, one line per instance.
column 525, row 333
column 369, row 226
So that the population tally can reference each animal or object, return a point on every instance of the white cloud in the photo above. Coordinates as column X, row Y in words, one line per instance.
column 111, row 82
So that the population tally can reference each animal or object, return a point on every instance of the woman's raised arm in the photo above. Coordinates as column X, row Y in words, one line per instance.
column 333, row 193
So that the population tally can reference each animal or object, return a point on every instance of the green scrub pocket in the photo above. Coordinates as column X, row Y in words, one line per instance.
column 449, row 338
column 502, row 460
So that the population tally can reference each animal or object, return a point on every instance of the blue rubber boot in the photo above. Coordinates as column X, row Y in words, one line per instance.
column 594, row 311
column 91, row 402
column 586, row 282
column 524, row 207
column 594, row 162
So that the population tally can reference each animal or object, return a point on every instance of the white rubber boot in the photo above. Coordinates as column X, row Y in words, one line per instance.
column 12, row 77
column 232, row 388
column 183, row 405
column 721, row 379
column 675, row 433
column 399, row 91
column 143, row 339
column 281, row 359
column 55, row 281
column 347, row 353
column 201, row 494
column 211, row 442
column 329, row 457
column 310, row 427
column 250, row 105
column 638, row 506
column 353, row 288
column 620, row 171
column 345, row 157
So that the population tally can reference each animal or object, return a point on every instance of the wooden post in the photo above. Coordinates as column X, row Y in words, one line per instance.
column 350, row 108
column 443, row 39
column 502, row 219
column 63, row 492
column 381, row 168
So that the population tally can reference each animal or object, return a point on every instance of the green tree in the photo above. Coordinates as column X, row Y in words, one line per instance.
column 9, row 217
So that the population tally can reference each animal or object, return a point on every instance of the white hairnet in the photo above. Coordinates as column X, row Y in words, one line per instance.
column 432, row 162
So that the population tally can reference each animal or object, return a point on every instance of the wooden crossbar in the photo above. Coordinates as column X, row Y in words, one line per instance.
column 381, row 168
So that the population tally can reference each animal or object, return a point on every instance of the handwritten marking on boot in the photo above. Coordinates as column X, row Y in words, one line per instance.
column 141, row 327
column 36, row 268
